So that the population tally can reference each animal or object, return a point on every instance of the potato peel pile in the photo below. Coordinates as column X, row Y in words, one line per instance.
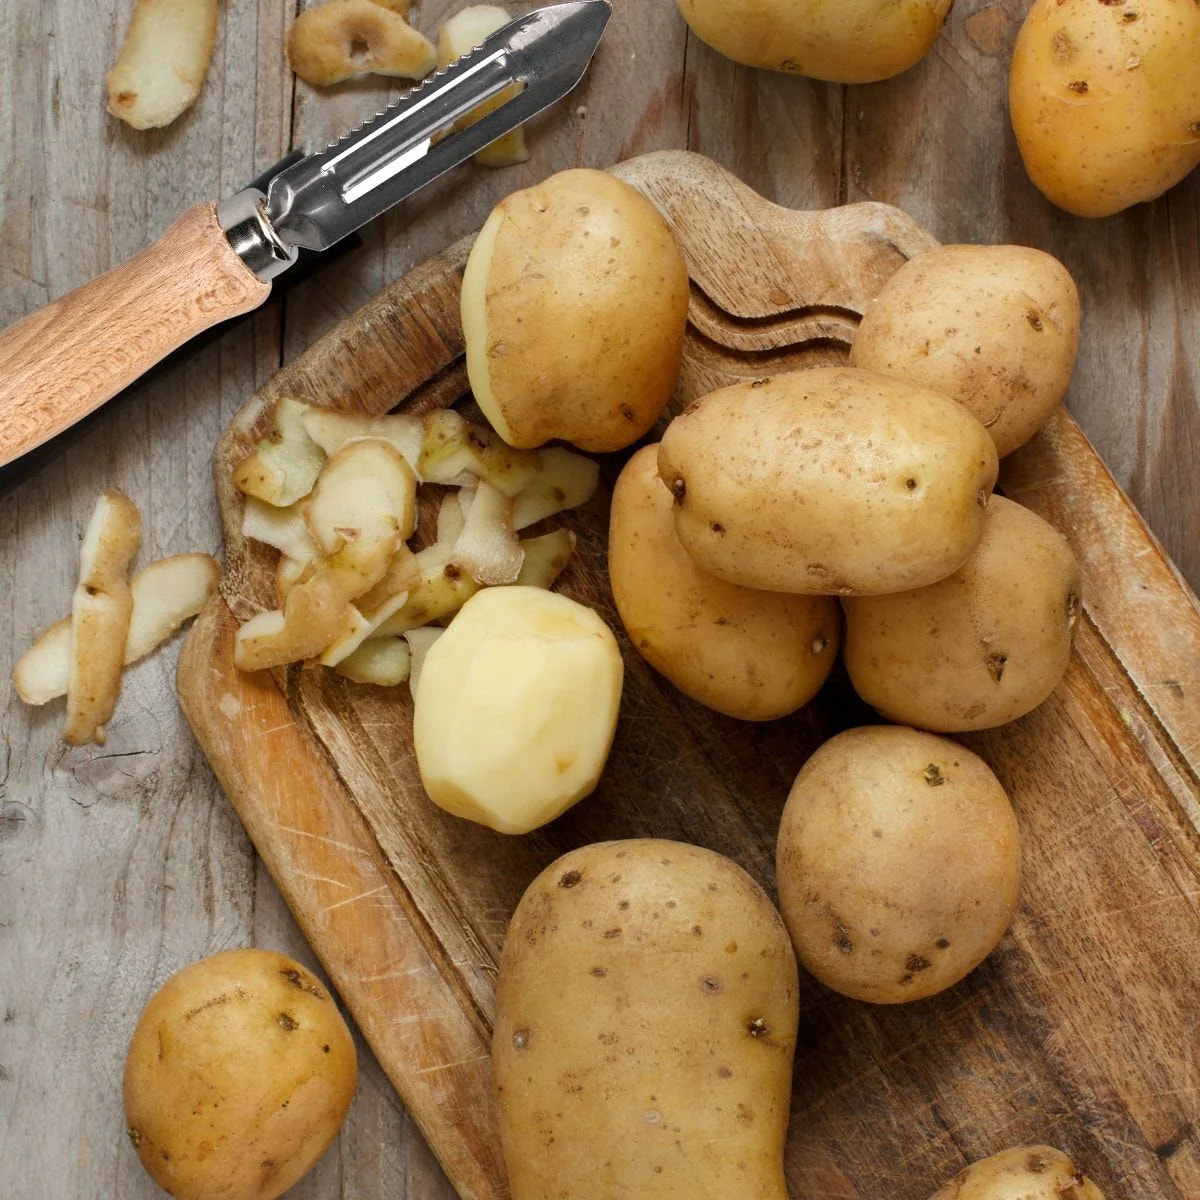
column 114, row 621
column 336, row 494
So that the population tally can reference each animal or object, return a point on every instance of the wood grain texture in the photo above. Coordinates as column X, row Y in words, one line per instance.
column 1037, row 1044
column 64, row 361
column 118, row 867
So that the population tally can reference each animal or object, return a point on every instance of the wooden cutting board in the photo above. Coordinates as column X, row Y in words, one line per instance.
column 1082, row 1029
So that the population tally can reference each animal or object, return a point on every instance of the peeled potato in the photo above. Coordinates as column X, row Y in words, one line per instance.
column 1105, row 100
column 516, row 707
column 749, row 654
column 846, row 41
column 574, row 302
column 994, row 327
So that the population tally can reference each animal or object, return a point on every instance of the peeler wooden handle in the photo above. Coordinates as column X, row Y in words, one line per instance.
column 62, row 362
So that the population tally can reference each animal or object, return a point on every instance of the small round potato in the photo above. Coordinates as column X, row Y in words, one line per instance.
column 994, row 327
column 981, row 648
column 1105, row 100
column 646, row 1015
column 850, row 41
column 1022, row 1173
column 574, row 304
column 829, row 481
column 516, row 708
column 749, row 654
column 898, row 863
column 239, row 1075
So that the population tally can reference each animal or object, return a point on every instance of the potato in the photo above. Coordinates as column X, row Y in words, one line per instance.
column 516, row 708
column 981, row 648
column 574, row 302
column 828, row 481
column 748, row 654
column 239, row 1075
column 898, row 863
column 646, row 1017
column 1105, row 100
column 1022, row 1173
column 850, row 41
column 994, row 327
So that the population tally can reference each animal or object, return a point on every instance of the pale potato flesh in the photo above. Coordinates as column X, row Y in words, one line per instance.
column 239, row 1075
column 516, row 708
column 749, row 654
column 646, row 1019
column 994, row 327
column 574, row 303
column 828, row 481
column 1105, row 100
column 342, row 39
column 845, row 41
column 1022, row 1173
column 981, row 648
column 898, row 863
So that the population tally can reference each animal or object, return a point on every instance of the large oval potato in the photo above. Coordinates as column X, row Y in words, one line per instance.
column 239, row 1075
column 898, row 863
column 994, row 327
column 981, row 648
column 646, row 1017
column 1105, row 100
column 851, row 41
column 828, row 481
column 574, row 303
column 749, row 654
column 1022, row 1173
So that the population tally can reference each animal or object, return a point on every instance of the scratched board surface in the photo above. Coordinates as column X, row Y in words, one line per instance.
column 1079, row 1030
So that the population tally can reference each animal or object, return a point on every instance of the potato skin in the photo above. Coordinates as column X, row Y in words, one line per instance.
column 646, row 1018
column 829, row 481
column 748, row 654
column 574, row 306
column 1022, row 1173
column 994, row 327
column 239, row 1075
column 1106, row 105
column 869, row 814
column 852, row 41
column 981, row 648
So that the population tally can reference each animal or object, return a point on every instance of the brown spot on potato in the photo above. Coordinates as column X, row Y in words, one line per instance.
column 717, row 527
column 325, row 1048
column 679, row 489
column 304, row 984
column 1035, row 322
column 697, row 931
column 1061, row 46
column 757, row 1027
column 911, row 484
column 570, row 879
column 995, row 665
column 520, row 1039
column 135, row 1135
column 287, row 1022
column 614, row 932
column 915, row 963
column 600, row 972
column 942, row 943
column 725, row 1072
column 933, row 775
column 1078, row 86
column 1036, row 1164
column 710, row 984
column 212, row 1002
column 843, row 942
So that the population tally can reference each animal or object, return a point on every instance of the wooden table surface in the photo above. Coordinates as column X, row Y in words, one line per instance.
column 120, row 864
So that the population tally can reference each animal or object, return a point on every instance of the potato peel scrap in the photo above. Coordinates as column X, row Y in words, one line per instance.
column 342, row 39
column 332, row 430
column 163, row 61
column 285, row 464
column 419, row 642
column 459, row 35
column 100, row 614
column 488, row 549
column 382, row 661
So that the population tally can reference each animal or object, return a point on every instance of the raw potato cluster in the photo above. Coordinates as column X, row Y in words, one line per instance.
column 114, row 621
column 1105, row 100
column 239, row 1075
column 336, row 494
column 646, row 1019
column 850, row 41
